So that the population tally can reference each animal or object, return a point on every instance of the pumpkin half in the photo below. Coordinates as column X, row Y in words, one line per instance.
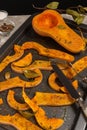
column 51, row 24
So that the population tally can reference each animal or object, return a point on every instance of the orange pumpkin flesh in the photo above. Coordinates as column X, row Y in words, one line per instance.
column 50, row 23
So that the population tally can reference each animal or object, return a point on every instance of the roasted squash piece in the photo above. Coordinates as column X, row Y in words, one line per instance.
column 8, row 59
column 78, row 66
column 70, row 72
column 45, row 25
column 52, row 99
column 14, row 104
column 40, row 115
column 37, row 64
column 41, row 98
column 52, row 83
column 53, row 53
column 25, row 61
column 1, row 101
column 19, row 122
column 17, row 82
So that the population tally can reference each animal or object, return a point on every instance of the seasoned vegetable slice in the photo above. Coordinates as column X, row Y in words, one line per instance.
column 19, row 122
column 13, row 103
column 41, row 98
column 37, row 64
column 54, row 85
column 1, row 101
column 40, row 115
column 48, row 52
column 25, row 61
column 17, row 82
column 8, row 59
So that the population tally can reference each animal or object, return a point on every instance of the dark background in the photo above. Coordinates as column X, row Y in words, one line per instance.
column 25, row 6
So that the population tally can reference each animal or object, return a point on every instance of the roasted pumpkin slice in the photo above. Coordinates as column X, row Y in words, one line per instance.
column 50, row 23
column 17, row 82
column 52, row 99
column 70, row 72
column 57, row 85
column 40, row 115
column 47, row 51
column 19, row 122
column 25, row 61
column 41, row 98
column 37, row 64
column 13, row 103
column 1, row 101
column 76, row 68
column 8, row 59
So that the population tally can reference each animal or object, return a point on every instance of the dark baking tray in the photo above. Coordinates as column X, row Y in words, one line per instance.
column 73, row 116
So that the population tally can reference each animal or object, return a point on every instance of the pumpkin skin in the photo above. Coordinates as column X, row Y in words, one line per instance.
column 51, row 24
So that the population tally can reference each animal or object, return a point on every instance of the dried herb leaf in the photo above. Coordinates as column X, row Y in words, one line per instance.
column 61, row 27
column 82, row 9
column 30, row 74
column 85, row 8
column 79, row 19
column 26, row 114
column 52, row 5
column 72, row 12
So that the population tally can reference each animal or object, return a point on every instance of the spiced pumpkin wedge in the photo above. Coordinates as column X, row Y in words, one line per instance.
column 18, row 82
column 25, row 61
column 50, row 23
column 40, row 115
column 41, row 99
column 53, row 53
column 8, row 59
column 59, row 87
column 37, row 64
column 1, row 101
column 18, row 121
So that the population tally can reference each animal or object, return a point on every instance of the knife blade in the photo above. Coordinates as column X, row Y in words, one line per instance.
column 68, row 85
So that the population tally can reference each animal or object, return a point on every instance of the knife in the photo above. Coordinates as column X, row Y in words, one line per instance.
column 68, row 85
column 67, row 64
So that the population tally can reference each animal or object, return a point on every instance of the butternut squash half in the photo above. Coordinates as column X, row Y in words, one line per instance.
column 51, row 24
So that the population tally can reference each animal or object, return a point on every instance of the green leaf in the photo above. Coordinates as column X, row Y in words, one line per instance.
column 85, row 8
column 30, row 74
column 61, row 27
column 82, row 9
column 72, row 12
column 79, row 19
column 26, row 114
column 52, row 5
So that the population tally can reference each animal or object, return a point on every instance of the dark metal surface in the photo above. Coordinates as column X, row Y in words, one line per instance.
column 26, row 33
